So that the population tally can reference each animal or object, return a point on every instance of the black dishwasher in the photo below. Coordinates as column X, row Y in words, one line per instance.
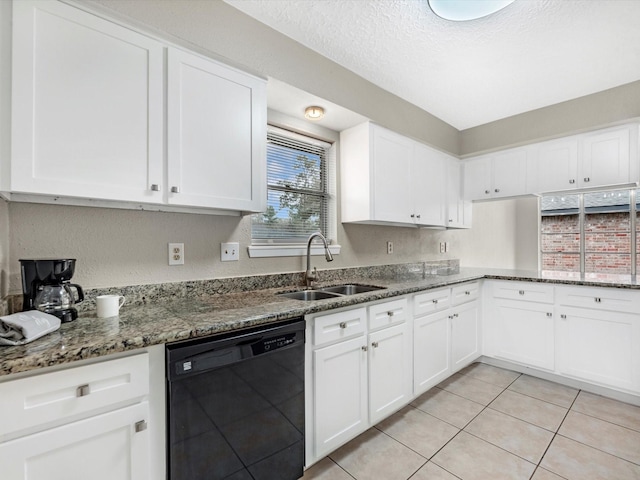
column 235, row 405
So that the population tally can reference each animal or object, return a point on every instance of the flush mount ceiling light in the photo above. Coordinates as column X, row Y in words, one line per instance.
column 314, row 113
column 463, row 10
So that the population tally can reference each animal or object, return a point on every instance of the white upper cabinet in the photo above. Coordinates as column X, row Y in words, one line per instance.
column 458, row 209
column 496, row 175
column 602, row 158
column 87, row 102
column 390, row 179
column 216, row 135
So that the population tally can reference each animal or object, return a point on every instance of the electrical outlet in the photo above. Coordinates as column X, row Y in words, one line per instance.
column 176, row 254
column 446, row 247
column 229, row 252
column 389, row 248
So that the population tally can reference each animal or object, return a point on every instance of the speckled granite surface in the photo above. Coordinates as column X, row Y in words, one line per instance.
column 170, row 312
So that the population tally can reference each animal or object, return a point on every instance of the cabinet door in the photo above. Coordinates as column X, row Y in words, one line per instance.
column 428, row 184
column 104, row 447
column 340, row 389
column 389, row 371
column 392, row 154
column 87, row 106
column 555, row 165
column 510, row 173
column 465, row 335
column 524, row 333
column 600, row 347
column 431, row 354
column 477, row 178
column 605, row 158
column 458, row 209
column 216, row 135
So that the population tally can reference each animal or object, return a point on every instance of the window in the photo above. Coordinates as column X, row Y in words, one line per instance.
column 591, row 232
column 300, row 191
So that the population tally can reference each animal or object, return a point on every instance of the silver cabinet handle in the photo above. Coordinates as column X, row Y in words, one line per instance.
column 572, row 181
column 497, row 190
column 563, row 317
column 450, row 220
column 155, row 187
column 413, row 216
column 549, row 314
column 587, row 179
column 598, row 300
column 175, row 189
column 521, row 292
column 435, row 300
column 418, row 216
column 83, row 390
column 364, row 349
column 374, row 344
column 390, row 313
column 467, row 292
column 450, row 317
column 343, row 324
column 140, row 426
column 487, row 192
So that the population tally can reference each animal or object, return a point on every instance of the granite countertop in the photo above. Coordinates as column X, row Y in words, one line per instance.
column 168, row 318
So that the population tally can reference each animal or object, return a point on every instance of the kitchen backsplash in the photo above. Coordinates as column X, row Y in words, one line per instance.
column 143, row 294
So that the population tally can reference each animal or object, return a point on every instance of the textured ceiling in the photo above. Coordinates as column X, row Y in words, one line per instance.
column 532, row 54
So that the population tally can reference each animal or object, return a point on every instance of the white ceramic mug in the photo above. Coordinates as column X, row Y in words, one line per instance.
column 109, row 305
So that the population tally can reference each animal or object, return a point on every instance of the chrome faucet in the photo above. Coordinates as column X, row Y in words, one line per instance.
column 312, row 276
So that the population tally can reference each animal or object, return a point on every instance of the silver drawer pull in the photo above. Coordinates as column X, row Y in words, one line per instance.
column 343, row 324
column 572, row 181
column 587, row 179
column 175, row 190
column 390, row 313
column 521, row 292
column 83, row 390
column 467, row 292
column 497, row 190
column 549, row 314
column 435, row 300
column 140, row 426
column 155, row 187
column 364, row 349
column 598, row 300
column 374, row 344
column 563, row 317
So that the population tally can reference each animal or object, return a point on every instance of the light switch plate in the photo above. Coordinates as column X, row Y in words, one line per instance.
column 229, row 252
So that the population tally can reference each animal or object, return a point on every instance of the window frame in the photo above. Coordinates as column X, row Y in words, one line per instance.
column 265, row 247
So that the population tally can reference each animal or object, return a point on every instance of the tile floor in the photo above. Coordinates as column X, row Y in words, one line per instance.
column 487, row 423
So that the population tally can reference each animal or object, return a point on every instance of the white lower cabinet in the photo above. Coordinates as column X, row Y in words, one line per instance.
column 431, row 351
column 88, row 421
column 600, row 347
column 104, row 447
column 465, row 335
column 591, row 334
column 360, row 372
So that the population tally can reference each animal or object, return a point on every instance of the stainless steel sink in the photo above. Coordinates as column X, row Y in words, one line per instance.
column 309, row 295
column 351, row 289
column 330, row 292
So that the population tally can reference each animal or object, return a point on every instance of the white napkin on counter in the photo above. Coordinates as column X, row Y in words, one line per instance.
column 24, row 327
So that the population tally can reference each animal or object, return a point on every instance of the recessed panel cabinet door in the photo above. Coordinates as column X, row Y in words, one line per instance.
column 431, row 353
column 216, row 135
column 87, row 106
column 605, row 158
column 104, row 447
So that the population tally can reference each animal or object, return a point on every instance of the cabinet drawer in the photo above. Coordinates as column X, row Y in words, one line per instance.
column 465, row 293
column 432, row 301
column 527, row 291
column 338, row 326
column 32, row 403
column 387, row 313
column 611, row 299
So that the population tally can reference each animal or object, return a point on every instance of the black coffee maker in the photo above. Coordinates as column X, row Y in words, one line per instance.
column 46, row 287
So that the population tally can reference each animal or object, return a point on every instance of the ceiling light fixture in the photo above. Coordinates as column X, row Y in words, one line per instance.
column 314, row 113
column 463, row 10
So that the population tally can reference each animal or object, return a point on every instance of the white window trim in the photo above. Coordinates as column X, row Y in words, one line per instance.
column 263, row 251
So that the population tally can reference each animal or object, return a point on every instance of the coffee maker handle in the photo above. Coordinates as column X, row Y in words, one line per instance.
column 80, row 292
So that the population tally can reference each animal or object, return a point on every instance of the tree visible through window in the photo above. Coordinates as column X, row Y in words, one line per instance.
column 297, row 193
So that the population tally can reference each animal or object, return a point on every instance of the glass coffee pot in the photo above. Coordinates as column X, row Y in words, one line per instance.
column 59, row 300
